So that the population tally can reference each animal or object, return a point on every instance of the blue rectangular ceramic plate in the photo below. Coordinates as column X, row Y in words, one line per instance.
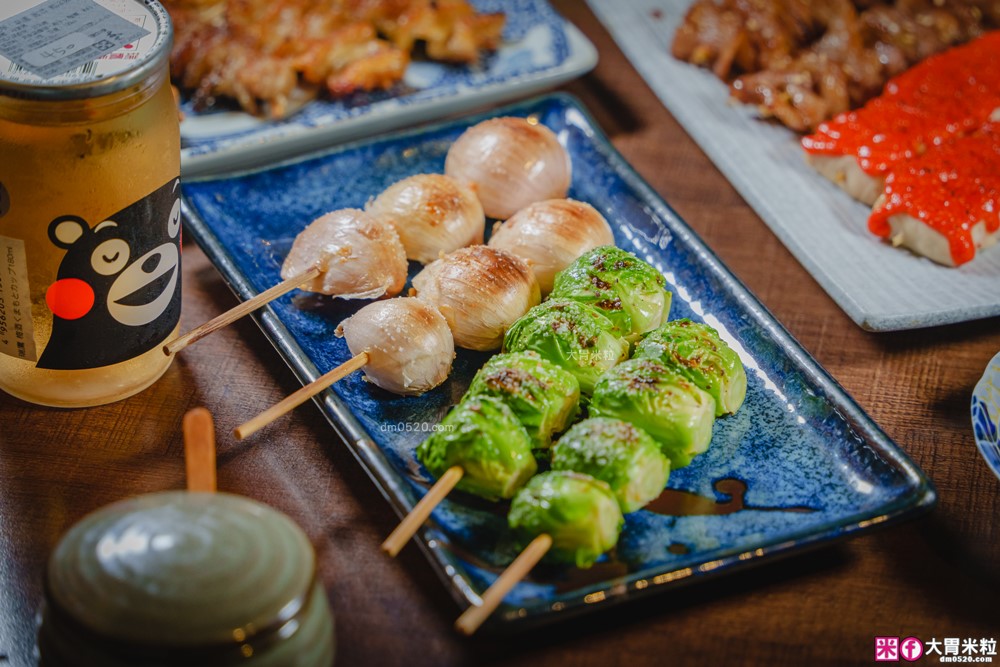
column 799, row 465
column 540, row 50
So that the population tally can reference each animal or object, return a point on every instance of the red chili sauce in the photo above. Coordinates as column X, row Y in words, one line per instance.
column 950, row 189
column 946, row 96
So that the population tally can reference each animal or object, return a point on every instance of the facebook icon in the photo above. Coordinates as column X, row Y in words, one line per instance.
column 911, row 649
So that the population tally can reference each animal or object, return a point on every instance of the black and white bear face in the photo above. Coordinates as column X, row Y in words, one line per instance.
column 117, row 289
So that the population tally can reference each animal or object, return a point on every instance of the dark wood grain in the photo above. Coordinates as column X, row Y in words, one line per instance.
column 937, row 576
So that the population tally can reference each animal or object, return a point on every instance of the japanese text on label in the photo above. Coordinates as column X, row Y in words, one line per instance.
column 60, row 35
column 17, row 335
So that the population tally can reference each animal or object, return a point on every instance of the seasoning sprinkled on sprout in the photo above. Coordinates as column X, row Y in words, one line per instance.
column 483, row 437
column 578, row 512
column 699, row 354
column 660, row 401
column 543, row 396
column 571, row 335
column 625, row 457
column 626, row 289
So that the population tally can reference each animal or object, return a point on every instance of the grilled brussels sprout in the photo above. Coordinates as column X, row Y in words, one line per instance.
column 616, row 452
column 578, row 512
column 544, row 397
column 699, row 354
column 625, row 288
column 660, row 401
column 571, row 335
column 483, row 437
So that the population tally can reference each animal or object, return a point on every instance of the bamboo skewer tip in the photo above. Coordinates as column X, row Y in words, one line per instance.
column 411, row 523
column 475, row 616
column 199, row 450
column 225, row 319
column 296, row 399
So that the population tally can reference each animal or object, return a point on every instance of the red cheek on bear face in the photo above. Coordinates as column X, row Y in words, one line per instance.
column 69, row 298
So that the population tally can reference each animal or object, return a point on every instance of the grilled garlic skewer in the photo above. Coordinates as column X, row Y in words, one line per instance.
column 432, row 213
column 480, row 291
column 551, row 234
column 346, row 253
column 409, row 345
column 359, row 256
column 510, row 163
column 404, row 346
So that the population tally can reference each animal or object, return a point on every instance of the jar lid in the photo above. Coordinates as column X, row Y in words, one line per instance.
column 181, row 570
column 78, row 49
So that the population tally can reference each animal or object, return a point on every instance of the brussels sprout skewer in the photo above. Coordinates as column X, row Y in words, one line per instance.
column 569, row 516
column 483, row 436
column 573, row 335
column 660, row 401
column 481, row 449
column 601, row 468
column 572, row 515
column 624, row 456
column 699, row 354
column 629, row 291
column 542, row 397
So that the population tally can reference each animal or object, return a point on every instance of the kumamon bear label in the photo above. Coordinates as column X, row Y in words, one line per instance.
column 117, row 291
column 91, row 156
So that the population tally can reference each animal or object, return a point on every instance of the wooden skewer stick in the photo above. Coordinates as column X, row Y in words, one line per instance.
column 230, row 316
column 473, row 617
column 411, row 524
column 199, row 450
column 301, row 396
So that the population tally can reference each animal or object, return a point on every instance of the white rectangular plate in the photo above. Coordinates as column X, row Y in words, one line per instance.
column 540, row 50
column 880, row 287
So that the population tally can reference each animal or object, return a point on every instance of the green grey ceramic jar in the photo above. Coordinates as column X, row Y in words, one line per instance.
column 180, row 578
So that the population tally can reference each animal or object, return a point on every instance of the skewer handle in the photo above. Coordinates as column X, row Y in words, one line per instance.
column 230, row 316
column 199, row 450
column 473, row 617
column 411, row 524
column 301, row 396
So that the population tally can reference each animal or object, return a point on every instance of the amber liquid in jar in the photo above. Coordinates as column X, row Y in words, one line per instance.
column 90, row 220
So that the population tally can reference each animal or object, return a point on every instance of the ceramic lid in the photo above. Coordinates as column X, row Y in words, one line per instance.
column 181, row 569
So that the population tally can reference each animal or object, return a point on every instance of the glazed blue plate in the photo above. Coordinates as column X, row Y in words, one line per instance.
column 798, row 466
column 986, row 415
column 540, row 50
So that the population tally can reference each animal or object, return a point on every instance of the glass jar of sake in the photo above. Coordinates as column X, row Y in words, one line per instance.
column 90, row 223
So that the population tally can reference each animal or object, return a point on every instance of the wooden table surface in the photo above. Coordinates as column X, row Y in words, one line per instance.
column 934, row 577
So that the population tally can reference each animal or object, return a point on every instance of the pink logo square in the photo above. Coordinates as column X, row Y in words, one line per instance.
column 887, row 649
